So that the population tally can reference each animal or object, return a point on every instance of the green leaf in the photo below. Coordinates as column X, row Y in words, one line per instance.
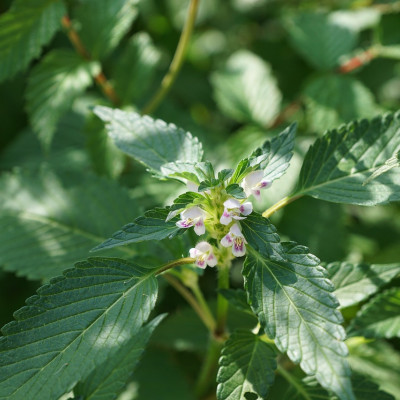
column 24, row 30
column 321, row 38
column 103, row 24
column 136, row 68
column 356, row 282
column 51, row 220
column 380, row 317
column 337, row 164
column 246, row 89
column 151, row 226
column 289, row 292
column 191, row 171
column 237, row 298
column 151, row 142
column 247, row 365
column 72, row 325
column 236, row 191
column 52, row 87
column 109, row 379
column 332, row 100
column 392, row 162
column 183, row 201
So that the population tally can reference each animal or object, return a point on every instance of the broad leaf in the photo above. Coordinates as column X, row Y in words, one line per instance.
column 356, row 282
column 73, row 325
column 380, row 317
column 183, row 201
column 321, row 38
column 49, row 221
column 246, row 89
column 289, row 292
column 103, row 24
column 24, row 30
column 236, row 191
column 237, row 298
column 136, row 68
column 337, row 164
column 151, row 226
column 247, row 365
column 185, row 170
column 152, row 142
column 392, row 162
column 335, row 99
column 109, row 379
column 52, row 87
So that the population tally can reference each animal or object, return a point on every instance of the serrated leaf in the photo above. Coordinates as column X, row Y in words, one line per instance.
column 136, row 68
column 191, row 171
column 108, row 380
column 52, row 87
column 320, row 38
column 104, row 23
column 356, row 282
column 236, row 191
column 247, row 365
column 51, row 220
column 237, row 298
column 151, row 142
column 74, row 324
column 24, row 30
column 183, row 201
column 151, row 226
column 380, row 317
column 392, row 162
column 246, row 89
column 336, row 99
column 337, row 164
column 289, row 292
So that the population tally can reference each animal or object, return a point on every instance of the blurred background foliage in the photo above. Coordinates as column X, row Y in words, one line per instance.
column 252, row 67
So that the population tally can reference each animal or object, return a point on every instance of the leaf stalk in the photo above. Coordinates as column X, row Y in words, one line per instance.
column 280, row 204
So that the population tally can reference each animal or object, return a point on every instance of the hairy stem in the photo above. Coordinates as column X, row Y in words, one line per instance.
column 280, row 204
column 201, row 300
column 222, row 303
column 100, row 78
column 175, row 263
column 177, row 61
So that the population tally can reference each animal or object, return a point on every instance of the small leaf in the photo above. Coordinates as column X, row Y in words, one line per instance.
column 289, row 292
column 236, row 191
column 321, row 38
column 247, row 365
column 246, row 89
column 224, row 174
column 24, row 30
column 151, row 226
column 380, row 317
column 356, row 282
column 392, row 162
column 104, row 24
column 237, row 298
column 183, row 201
column 109, row 379
column 72, row 325
column 151, row 142
column 337, row 164
column 52, row 86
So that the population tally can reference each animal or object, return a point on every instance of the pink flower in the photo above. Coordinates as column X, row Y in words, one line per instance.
column 253, row 183
column 236, row 240
column 233, row 209
column 204, row 255
column 193, row 216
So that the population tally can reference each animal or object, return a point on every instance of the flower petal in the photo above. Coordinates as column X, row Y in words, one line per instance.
column 192, row 213
column 201, row 263
column 227, row 240
column 231, row 203
column 253, row 178
column 204, row 247
column 246, row 208
column 238, row 247
column 193, row 252
column 226, row 218
column 236, row 231
column 200, row 228
column 184, row 223
column 212, row 260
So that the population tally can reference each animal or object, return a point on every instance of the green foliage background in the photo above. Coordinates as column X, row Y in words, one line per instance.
column 252, row 68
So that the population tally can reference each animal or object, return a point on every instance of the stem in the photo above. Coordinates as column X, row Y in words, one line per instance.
column 358, row 61
column 203, row 304
column 210, row 324
column 222, row 303
column 173, row 264
column 280, row 204
column 100, row 78
column 293, row 382
column 209, row 367
column 177, row 61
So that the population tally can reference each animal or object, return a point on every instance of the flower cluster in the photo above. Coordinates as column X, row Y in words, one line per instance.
column 234, row 211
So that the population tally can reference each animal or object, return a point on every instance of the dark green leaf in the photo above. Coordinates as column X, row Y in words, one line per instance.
column 151, row 226
column 247, row 365
column 392, row 162
column 237, row 298
column 152, row 142
column 184, row 200
column 236, row 191
column 24, row 30
column 356, row 282
column 74, row 324
column 338, row 163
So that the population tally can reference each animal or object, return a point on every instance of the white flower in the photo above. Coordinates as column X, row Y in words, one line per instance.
column 204, row 255
column 193, row 216
column 253, row 183
column 236, row 240
column 233, row 209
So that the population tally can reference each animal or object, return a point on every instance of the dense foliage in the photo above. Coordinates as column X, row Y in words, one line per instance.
column 204, row 195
